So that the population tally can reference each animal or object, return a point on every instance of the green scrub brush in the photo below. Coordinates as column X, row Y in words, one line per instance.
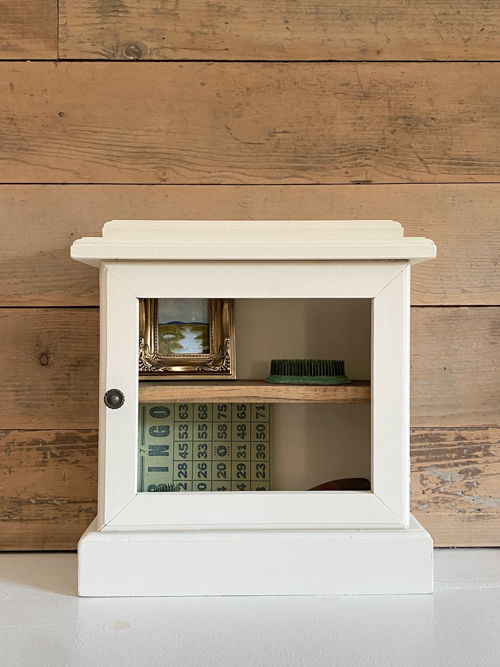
column 307, row 371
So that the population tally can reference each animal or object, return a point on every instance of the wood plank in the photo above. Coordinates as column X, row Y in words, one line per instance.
column 455, row 485
column 49, row 488
column 39, row 222
column 298, row 30
column 49, row 377
column 48, row 481
column 252, row 391
column 455, row 366
column 28, row 29
column 49, row 373
column 263, row 123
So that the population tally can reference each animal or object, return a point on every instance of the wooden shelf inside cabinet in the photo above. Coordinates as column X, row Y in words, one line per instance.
column 252, row 391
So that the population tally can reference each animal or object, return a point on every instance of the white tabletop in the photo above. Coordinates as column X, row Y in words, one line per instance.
column 44, row 623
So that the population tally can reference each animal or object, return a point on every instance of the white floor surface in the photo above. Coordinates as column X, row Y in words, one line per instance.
column 44, row 623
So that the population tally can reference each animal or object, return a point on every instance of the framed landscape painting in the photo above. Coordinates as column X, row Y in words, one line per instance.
column 186, row 339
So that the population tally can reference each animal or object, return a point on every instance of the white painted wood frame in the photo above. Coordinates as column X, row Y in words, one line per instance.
column 387, row 283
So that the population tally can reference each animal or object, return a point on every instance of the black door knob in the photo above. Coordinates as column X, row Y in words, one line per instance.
column 114, row 398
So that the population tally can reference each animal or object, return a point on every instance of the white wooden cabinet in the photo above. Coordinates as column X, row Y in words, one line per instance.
column 262, row 543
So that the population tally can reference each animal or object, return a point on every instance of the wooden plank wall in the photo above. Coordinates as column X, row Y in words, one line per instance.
column 246, row 110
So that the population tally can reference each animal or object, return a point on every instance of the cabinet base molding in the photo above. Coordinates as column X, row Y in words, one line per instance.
column 144, row 562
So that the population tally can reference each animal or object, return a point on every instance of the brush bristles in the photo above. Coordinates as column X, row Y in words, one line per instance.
column 307, row 367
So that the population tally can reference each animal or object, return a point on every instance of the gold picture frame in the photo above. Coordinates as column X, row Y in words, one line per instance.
column 214, row 361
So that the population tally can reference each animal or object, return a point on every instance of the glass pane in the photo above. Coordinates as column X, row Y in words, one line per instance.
column 302, row 436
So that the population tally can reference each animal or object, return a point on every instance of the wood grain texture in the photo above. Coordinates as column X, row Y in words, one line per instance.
column 48, row 482
column 49, row 378
column 214, row 123
column 455, row 484
column 28, row 29
column 267, row 127
column 38, row 223
column 252, row 391
column 263, row 30
column 49, row 373
column 455, row 366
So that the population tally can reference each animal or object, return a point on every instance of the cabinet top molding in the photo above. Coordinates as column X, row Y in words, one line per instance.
column 266, row 240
